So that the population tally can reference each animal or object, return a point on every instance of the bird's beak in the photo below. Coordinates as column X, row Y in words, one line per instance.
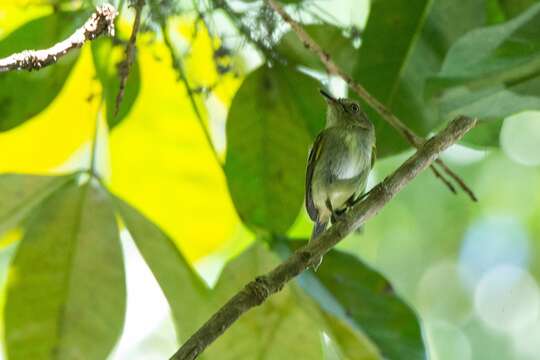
column 329, row 98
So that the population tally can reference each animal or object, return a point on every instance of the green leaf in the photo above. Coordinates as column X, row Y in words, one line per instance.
column 493, row 72
column 107, row 58
column 348, row 289
column 273, row 118
column 287, row 325
column 25, row 94
column 183, row 289
column 66, row 290
column 513, row 8
column 22, row 193
column 403, row 44
column 330, row 38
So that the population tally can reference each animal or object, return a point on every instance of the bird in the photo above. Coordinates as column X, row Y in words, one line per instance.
column 339, row 162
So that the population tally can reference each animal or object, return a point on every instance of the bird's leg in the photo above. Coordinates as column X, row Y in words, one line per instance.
column 338, row 215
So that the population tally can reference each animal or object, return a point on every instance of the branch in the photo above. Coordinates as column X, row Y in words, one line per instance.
column 101, row 21
column 256, row 292
column 379, row 107
column 125, row 66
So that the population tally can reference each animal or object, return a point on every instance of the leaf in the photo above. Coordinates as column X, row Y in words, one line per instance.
column 493, row 72
column 513, row 8
column 272, row 121
column 20, row 194
column 287, row 325
column 351, row 291
column 39, row 88
column 330, row 38
column 162, row 164
column 404, row 43
column 66, row 291
column 59, row 138
column 183, row 289
column 107, row 58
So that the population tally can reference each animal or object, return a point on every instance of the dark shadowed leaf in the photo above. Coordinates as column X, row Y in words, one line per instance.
column 66, row 288
column 330, row 38
column 492, row 73
column 273, row 118
column 20, row 194
column 107, row 58
column 287, row 325
column 182, row 287
column 25, row 94
column 403, row 44
column 348, row 289
column 513, row 8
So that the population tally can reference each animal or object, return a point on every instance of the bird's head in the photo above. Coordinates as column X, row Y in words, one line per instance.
column 345, row 112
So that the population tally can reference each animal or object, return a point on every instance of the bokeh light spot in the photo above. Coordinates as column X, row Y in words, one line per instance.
column 520, row 137
column 507, row 299
column 443, row 278
column 447, row 342
column 491, row 242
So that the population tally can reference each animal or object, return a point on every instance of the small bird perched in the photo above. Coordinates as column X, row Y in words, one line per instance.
column 339, row 162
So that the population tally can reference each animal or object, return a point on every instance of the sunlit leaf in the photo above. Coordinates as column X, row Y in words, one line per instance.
column 182, row 287
column 40, row 88
column 49, row 141
column 163, row 165
column 330, row 38
column 273, row 119
column 206, row 67
column 107, row 58
column 404, row 43
column 66, row 292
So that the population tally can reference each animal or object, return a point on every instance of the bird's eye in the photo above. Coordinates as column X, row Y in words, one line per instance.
column 355, row 108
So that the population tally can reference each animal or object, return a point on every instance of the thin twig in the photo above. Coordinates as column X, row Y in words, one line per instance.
column 379, row 107
column 100, row 22
column 179, row 67
column 125, row 66
column 258, row 290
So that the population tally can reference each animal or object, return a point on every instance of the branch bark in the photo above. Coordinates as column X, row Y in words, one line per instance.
column 125, row 66
column 332, row 68
column 256, row 292
column 100, row 22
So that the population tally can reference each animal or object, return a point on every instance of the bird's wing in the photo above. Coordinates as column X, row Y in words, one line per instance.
column 314, row 154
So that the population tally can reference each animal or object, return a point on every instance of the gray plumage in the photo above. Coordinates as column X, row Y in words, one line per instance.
column 339, row 162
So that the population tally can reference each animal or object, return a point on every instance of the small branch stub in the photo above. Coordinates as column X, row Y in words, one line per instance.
column 100, row 22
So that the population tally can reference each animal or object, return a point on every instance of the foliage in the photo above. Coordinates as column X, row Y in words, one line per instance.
column 187, row 184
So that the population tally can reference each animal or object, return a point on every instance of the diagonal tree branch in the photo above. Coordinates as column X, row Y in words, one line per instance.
column 101, row 21
column 125, row 66
column 258, row 290
column 381, row 109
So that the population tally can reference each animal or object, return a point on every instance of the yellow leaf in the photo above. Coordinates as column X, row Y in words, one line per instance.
column 200, row 61
column 162, row 164
column 45, row 143
column 15, row 13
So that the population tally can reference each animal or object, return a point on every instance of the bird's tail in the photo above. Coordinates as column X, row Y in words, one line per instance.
column 318, row 229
